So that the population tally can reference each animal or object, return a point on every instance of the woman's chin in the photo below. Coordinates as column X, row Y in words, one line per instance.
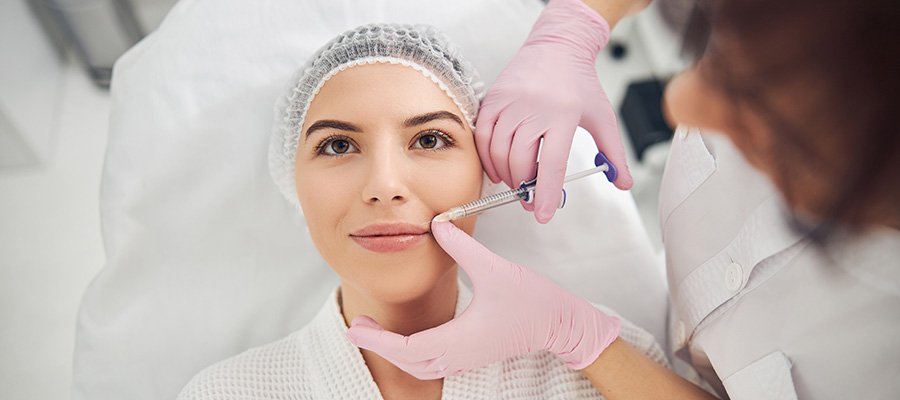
column 411, row 286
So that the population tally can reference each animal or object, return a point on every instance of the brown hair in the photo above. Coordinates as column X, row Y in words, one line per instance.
column 823, row 75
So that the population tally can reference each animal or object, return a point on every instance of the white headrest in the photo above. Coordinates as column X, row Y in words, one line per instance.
column 205, row 259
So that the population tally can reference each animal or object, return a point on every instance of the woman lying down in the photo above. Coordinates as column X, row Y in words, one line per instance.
column 369, row 134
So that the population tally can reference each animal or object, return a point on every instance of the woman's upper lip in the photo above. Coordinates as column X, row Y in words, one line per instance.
column 390, row 229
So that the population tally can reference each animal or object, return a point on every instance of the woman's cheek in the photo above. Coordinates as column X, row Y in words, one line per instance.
column 324, row 197
column 452, row 183
column 683, row 102
column 689, row 100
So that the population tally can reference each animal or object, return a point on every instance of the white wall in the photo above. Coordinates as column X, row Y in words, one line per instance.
column 50, row 247
column 53, row 130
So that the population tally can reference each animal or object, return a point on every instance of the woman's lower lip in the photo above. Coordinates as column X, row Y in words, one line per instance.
column 387, row 244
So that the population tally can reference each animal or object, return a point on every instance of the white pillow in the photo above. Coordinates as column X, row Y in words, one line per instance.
column 204, row 258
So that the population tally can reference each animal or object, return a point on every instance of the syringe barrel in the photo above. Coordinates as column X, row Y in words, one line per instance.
column 499, row 199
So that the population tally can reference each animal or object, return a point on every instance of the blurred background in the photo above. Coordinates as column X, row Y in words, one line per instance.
column 57, row 58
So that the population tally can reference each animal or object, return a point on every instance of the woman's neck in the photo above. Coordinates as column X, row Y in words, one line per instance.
column 435, row 307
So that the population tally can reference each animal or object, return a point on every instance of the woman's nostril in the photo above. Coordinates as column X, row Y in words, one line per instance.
column 380, row 199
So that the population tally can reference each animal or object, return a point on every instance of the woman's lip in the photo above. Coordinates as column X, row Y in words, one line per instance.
column 386, row 237
column 389, row 229
column 389, row 243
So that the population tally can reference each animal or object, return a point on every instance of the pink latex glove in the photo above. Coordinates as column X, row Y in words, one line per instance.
column 548, row 89
column 514, row 311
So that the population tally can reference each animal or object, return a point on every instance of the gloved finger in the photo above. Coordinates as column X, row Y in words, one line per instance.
column 416, row 369
column 552, row 171
column 365, row 333
column 446, row 366
column 422, row 370
column 438, row 365
column 600, row 122
column 523, row 157
column 428, row 375
column 475, row 259
column 504, row 132
column 484, row 128
column 528, row 206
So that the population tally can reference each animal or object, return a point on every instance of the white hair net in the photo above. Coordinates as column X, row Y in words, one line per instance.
column 421, row 47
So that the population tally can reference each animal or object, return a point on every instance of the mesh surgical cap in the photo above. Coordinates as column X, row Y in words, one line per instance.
column 421, row 47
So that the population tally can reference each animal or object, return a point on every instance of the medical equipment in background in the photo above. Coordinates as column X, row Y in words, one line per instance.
column 641, row 112
column 37, row 40
column 523, row 192
column 641, row 108
column 31, row 84
column 99, row 31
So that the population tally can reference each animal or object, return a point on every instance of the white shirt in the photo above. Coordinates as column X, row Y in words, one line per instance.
column 760, row 312
column 317, row 362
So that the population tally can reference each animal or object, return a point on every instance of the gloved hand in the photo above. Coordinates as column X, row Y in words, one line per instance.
column 548, row 89
column 514, row 311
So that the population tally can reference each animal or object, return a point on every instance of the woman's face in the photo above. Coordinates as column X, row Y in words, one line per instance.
column 382, row 151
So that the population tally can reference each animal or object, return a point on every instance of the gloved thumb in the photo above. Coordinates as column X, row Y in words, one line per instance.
column 367, row 334
column 471, row 256
column 364, row 332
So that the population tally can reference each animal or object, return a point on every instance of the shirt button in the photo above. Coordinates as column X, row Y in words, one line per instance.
column 680, row 335
column 734, row 277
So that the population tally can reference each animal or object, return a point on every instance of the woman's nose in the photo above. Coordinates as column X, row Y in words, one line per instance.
column 387, row 183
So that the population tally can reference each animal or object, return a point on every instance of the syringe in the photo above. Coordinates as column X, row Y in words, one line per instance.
column 523, row 192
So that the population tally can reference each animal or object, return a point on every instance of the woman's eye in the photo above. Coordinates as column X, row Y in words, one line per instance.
column 428, row 141
column 340, row 146
column 336, row 147
column 432, row 140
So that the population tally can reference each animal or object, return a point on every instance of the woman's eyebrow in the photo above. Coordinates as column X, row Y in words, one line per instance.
column 333, row 124
column 424, row 118
column 410, row 122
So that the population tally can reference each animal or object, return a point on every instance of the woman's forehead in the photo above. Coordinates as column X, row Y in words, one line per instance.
column 383, row 92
